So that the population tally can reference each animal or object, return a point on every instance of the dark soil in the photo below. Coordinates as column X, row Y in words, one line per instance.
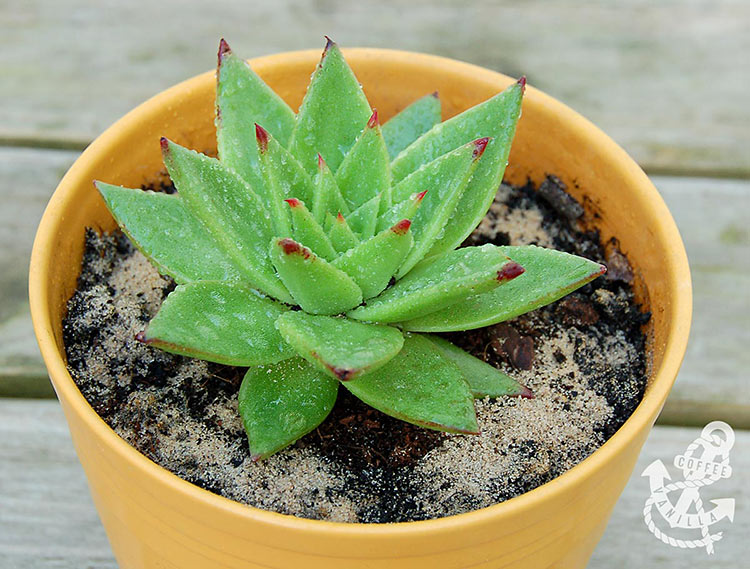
column 361, row 465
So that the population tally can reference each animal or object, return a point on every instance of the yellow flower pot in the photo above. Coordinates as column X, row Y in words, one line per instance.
column 155, row 519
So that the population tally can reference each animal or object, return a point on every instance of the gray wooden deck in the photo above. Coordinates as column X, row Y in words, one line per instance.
column 668, row 80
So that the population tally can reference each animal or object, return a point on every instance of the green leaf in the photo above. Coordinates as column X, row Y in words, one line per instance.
column 439, row 283
column 421, row 387
column 281, row 403
column 411, row 123
column 168, row 234
column 316, row 285
column 365, row 171
column 446, row 177
column 483, row 379
column 342, row 236
column 308, row 232
column 229, row 209
column 372, row 263
column 327, row 197
column 403, row 210
column 495, row 118
column 364, row 219
column 342, row 348
column 285, row 179
column 242, row 99
column 332, row 113
column 549, row 276
column 220, row 322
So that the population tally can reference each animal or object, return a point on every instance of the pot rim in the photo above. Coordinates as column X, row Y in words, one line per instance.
column 645, row 414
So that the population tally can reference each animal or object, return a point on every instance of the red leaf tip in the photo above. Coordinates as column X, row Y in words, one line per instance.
column 435, row 94
column 291, row 247
column 223, row 49
column 373, row 120
column 340, row 217
column 141, row 337
column 329, row 44
column 164, row 143
column 261, row 134
column 401, row 227
column 480, row 144
column 420, row 195
column 526, row 393
column 522, row 83
column 321, row 162
column 510, row 271
column 293, row 202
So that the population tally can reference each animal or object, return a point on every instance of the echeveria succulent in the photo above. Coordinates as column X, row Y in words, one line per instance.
column 319, row 249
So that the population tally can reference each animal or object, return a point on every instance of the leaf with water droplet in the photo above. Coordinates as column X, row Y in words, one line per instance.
column 403, row 210
column 280, row 403
column 365, row 171
column 242, row 99
column 446, row 177
column 220, row 322
column 438, row 283
column 411, row 123
column 316, row 285
column 483, row 379
column 333, row 113
column 495, row 118
column 327, row 197
column 342, row 348
column 372, row 263
column 420, row 386
column 549, row 276
column 341, row 235
column 364, row 219
column 169, row 235
column 229, row 209
column 308, row 232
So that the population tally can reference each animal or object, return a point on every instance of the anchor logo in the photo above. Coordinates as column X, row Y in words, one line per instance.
column 705, row 461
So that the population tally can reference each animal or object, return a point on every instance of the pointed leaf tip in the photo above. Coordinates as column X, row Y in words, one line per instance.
column 435, row 94
column 321, row 162
column 164, row 142
column 293, row 202
column 340, row 217
column 261, row 134
column 510, row 272
column 522, row 83
column 329, row 44
column 223, row 49
column 480, row 144
column 401, row 227
column 420, row 195
column 526, row 393
column 373, row 120
column 291, row 247
column 141, row 337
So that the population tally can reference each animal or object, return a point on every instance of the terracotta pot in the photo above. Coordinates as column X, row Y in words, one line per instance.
column 155, row 519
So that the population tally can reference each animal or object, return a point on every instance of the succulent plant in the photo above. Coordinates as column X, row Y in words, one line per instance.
column 321, row 249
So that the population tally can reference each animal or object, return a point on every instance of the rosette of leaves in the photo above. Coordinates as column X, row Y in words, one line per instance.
column 320, row 250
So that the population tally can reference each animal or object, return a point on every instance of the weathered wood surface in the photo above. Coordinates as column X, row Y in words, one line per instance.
column 668, row 80
column 711, row 214
column 47, row 519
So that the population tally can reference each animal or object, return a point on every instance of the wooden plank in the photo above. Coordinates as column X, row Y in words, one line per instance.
column 627, row 541
column 674, row 95
column 712, row 216
column 29, row 178
column 47, row 519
